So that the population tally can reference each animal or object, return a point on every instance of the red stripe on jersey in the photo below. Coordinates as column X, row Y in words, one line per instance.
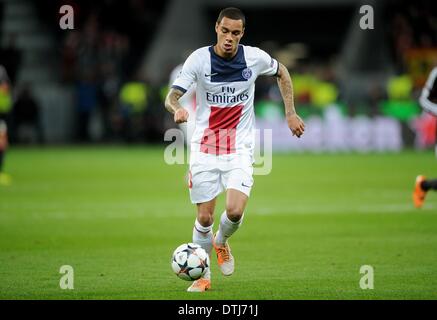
column 219, row 137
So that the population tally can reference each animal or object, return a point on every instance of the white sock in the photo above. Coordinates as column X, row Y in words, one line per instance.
column 226, row 229
column 203, row 236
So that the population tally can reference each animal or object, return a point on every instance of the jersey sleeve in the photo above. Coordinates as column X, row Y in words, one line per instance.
column 188, row 74
column 267, row 65
column 174, row 74
column 428, row 97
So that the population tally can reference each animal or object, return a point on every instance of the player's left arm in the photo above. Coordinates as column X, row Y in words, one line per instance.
column 172, row 105
column 295, row 123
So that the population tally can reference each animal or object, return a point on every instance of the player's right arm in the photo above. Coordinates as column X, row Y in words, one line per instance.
column 182, row 83
column 172, row 105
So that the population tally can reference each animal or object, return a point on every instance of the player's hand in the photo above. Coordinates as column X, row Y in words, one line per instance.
column 181, row 115
column 296, row 125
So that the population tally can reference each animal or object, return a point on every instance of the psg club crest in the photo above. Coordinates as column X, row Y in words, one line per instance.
column 247, row 73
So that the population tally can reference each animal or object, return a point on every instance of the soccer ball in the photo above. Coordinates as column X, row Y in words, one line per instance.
column 189, row 261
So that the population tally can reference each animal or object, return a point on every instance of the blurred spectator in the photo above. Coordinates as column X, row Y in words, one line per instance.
column 133, row 103
column 95, row 58
column 376, row 94
column 110, row 87
column 69, row 56
column 26, row 120
column 86, row 104
column 87, row 59
column 412, row 27
column 5, row 95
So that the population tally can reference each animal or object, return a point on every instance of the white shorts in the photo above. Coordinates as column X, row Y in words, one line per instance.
column 210, row 175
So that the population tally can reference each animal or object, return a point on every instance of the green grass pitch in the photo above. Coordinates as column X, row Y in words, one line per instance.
column 115, row 214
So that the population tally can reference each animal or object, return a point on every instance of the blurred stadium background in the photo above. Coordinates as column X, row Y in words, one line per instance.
column 105, row 80
column 90, row 188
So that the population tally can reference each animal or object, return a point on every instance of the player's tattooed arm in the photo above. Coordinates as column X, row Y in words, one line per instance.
column 295, row 123
column 172, row 105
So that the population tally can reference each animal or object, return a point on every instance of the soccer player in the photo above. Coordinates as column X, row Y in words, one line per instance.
column 428, row 101
column 223, row 141
column 5, row 107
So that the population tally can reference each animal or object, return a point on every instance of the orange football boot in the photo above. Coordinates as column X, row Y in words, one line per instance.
column 419, row 194
column 200, row 285
column 224, row 258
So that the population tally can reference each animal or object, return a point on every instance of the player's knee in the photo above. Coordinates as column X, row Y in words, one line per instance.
column 205, row 218
column 234, row 212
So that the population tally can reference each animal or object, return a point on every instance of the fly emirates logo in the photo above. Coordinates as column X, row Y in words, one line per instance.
column 226, row 96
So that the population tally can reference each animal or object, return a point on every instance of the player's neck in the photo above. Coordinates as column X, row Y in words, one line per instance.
column 223, row 54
